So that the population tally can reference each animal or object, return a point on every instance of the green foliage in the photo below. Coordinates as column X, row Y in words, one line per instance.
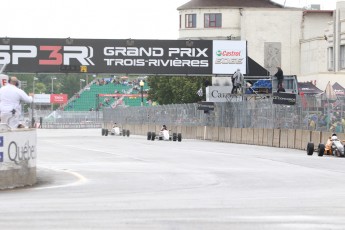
column 177, row 89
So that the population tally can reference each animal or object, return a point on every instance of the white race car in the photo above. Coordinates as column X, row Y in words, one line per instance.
column 164, row 135
column 116, row 131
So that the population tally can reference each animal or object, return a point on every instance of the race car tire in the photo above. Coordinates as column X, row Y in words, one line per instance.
column 127, row 133
column 148, row 135
column 310, row 148
column 174, row 137
column 123, row 132
column 179, row 137
column 153, row 136
column 106, row 132
column 321, row 150
column 103, row 131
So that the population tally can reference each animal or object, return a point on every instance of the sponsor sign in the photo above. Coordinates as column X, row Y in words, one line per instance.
column 169, row 57
column 42, row 98
column 206, row 106
column 19, row 148
column 218, row 93
column 58, row 98
column 284, row 98
column 228, row 56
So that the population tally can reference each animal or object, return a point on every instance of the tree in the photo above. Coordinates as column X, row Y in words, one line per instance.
column 176, row 90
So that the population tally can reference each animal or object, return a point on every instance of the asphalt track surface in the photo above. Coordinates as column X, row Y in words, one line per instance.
column 89, row 181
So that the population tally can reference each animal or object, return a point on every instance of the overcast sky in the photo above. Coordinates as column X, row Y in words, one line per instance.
column 108, row 19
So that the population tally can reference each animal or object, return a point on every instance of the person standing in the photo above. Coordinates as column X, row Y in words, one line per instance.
column 238, row 79
column 10, row 103
column 280, row 77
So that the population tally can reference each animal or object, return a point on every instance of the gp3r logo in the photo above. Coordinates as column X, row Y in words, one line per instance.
column 57, row 55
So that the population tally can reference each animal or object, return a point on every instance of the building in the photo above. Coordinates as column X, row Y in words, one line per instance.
column 301, row 41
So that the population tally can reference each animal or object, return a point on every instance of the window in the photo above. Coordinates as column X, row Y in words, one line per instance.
column 180, row 21
column 330, row 58
column 342, row 57
column 213, row 20
column 190, row 20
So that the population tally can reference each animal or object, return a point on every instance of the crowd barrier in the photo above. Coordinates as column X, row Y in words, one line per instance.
column 280, row 138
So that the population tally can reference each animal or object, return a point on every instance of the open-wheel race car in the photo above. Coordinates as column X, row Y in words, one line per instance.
column 333, row 147
column 165, row 135
column 116, row 131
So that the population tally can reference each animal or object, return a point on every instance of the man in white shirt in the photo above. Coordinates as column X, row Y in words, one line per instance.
column 10, row 98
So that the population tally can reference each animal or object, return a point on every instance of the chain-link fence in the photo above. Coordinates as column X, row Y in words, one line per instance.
column 308, row 113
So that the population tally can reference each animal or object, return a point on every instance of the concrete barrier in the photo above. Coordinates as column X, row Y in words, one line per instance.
column 276, row 138
column 227, row 134
column 236, row 135
column 250, row 138
column 283, row 138
column 200, row 132
column 215, row 133
column 306, row 137
column 298, row 139
column 316, row 137
column 268, row 137
column 291, row 135
column 221, row 134
column 18, row 153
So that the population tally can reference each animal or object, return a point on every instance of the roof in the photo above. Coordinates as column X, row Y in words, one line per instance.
column 338, row 89
column 197, row 4
column 318, row 12
column 308, row 88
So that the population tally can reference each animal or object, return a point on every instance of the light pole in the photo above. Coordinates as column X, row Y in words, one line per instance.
column 52, row 92
column 81, row 82
column 33, row 103
column 141, row 83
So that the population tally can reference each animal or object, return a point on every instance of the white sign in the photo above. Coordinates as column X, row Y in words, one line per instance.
column 218, row 93
column 228, row 56
column 18, row 149
column 42, row 98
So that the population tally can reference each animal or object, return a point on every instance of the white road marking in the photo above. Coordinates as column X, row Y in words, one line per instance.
column 80, row 180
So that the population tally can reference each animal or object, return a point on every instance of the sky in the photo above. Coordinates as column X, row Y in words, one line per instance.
column 101, row 19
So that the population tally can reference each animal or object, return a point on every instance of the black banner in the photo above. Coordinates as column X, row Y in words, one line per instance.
column 284, row 98
column 175, row 57
column 205, row 105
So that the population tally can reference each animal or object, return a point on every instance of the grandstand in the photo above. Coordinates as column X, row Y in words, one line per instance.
column 113, row 94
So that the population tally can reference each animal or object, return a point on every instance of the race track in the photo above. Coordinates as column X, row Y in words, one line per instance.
column 89, row 181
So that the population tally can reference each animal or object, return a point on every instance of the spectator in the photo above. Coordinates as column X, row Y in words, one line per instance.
column 280, row 77
column 238, row 79
column 10, row 107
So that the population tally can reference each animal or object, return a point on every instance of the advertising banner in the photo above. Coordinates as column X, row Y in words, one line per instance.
column 284, row 98
column 166, row 57
column 228, row 56
column 218, row 93
column 17, row 149
column 58, row 98
column 42, row 98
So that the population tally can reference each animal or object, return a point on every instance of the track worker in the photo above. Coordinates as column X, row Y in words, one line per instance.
column 10, row 98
